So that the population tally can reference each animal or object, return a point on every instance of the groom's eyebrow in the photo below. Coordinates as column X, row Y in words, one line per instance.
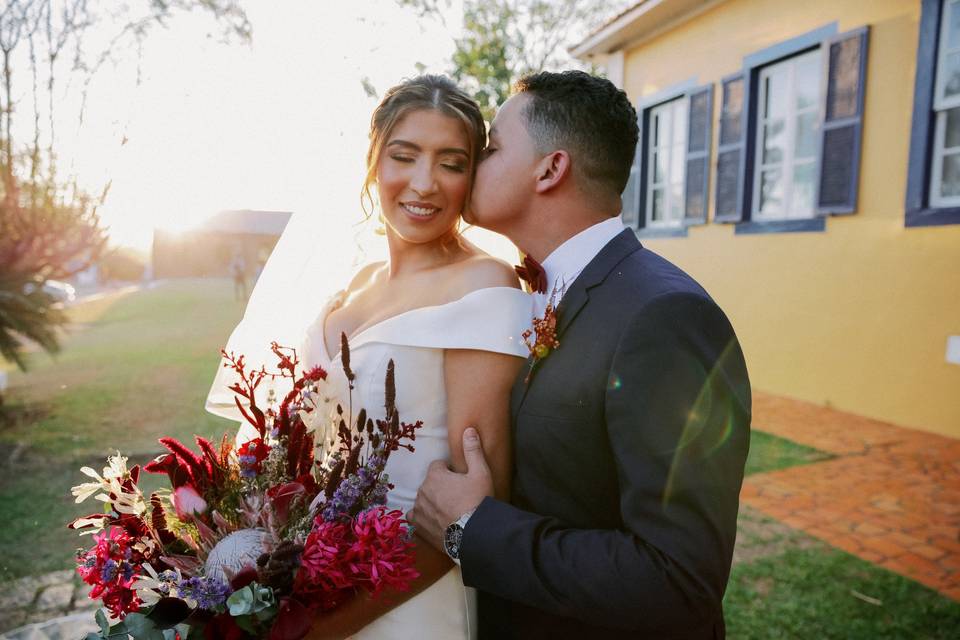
column 415, row 147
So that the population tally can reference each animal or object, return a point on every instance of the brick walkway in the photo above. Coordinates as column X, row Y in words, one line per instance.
column 890, row 496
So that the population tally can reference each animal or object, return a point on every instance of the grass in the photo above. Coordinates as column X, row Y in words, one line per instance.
column 771, row 453
column 813, row 593
column 138, row 368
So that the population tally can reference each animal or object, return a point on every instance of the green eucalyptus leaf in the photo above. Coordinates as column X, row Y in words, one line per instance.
column 118, row 630
column 142, row 628
column 241, row 601
column 101, row 619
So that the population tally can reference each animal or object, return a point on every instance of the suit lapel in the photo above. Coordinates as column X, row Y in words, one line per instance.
column 576, row 297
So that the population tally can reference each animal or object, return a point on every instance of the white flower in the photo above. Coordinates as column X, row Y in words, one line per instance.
column 110, row 484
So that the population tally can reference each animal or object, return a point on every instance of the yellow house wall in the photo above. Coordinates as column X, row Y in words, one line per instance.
column 855, row 317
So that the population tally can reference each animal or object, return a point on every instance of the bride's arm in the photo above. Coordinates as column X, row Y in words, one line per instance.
column 478, row 395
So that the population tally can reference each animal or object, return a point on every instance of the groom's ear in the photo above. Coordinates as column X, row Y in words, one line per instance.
column 552, row 170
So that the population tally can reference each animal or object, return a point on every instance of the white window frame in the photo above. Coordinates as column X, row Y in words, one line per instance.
column 788, row 163
column 677, row 106
column 941, row 106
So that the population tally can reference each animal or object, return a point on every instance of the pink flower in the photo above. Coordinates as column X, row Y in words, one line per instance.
column 373, row 552
column 382, row 555
column 188, row 502
column 321, row 564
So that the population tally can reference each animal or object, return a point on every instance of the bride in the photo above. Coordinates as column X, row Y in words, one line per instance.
column 451, row 318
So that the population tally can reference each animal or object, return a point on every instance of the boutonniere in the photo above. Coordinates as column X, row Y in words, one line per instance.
column 545, row 330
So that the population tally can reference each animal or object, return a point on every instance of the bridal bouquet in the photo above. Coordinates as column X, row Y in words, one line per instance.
column 252, row 541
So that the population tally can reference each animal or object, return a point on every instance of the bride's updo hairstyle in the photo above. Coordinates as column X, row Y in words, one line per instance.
column 433, row 92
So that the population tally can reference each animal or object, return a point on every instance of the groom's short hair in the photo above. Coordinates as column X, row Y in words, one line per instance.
column 587, row 116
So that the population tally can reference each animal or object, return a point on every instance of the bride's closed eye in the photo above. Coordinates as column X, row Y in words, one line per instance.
column 456, row 167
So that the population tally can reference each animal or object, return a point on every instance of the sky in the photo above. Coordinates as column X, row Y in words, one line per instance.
column 277, row 124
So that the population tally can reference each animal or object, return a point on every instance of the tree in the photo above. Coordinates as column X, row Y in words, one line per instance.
column 49, row 227
column 505, row 39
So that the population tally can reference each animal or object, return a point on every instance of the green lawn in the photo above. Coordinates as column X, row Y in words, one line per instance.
column 139, row 367
column 820, row 592
column 771, row 453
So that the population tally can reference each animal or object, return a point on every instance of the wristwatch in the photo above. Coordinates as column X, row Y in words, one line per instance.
column 453, row 536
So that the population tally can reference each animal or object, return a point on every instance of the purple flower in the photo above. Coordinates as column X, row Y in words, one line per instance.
column 109, row 571
column 209, row 592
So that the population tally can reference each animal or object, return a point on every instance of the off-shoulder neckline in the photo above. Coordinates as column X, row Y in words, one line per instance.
column 356, row 337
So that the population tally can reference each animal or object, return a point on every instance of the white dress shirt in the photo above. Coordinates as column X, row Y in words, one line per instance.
column 569, row 259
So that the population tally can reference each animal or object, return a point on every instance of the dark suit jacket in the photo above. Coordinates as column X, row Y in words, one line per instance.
column 629, row 441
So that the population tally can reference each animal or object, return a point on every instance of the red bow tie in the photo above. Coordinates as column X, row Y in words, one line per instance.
column 533, row 274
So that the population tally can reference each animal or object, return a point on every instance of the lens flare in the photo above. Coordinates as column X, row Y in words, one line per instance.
column 711, row 420
column 615, row 382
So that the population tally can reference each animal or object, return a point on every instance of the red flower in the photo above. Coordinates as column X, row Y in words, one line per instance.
column 251, row 456
column 111, row 567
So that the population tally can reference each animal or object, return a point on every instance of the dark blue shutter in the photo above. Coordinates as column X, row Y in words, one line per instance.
column 842, row 130
column 698, row 154
column 728, row 204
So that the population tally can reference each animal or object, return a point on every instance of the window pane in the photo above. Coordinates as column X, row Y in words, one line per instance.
column 776, row 94
column 807, row 126
column 676, row 201
column 676, row 164
column 808, row 80
column 952, row 138
column 774, row 141
column 655, row 126
column 771, row 191
column 951, row 72
column 803, row 184
column 953, row 35
column 680, row 123
column 656, row 205
column 666, row 122
column 659, row 168
column 950, row 185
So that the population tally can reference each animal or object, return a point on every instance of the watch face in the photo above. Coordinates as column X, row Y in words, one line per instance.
column 451, row 540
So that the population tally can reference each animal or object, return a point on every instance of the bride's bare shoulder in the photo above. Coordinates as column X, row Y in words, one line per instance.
column 481, row 271
column 364, row 276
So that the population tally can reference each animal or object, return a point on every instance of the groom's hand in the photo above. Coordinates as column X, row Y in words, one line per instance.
column 446, row 495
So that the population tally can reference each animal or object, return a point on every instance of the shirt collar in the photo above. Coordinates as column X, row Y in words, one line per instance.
column 566, row 262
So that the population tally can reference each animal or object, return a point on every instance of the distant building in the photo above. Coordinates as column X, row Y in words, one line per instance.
column 802, row 160
column 224, row 240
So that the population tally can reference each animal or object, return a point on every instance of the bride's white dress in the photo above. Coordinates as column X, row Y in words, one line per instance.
column 490, row 319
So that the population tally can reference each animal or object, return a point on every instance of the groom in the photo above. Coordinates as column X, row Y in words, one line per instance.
column 630, row 437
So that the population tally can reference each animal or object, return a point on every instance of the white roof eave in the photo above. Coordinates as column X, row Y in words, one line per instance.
column 643, row 20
